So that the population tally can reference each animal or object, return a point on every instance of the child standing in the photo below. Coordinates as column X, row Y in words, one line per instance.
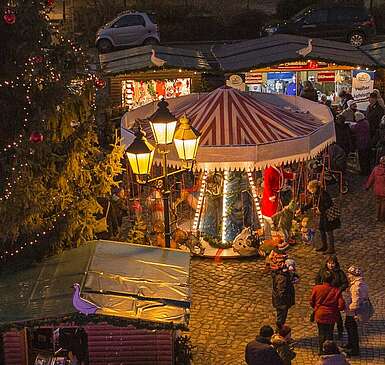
column 377, row 180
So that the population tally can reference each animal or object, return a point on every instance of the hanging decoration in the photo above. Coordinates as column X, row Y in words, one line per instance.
column 100, row 83
column 9, row 16
column 36, row 137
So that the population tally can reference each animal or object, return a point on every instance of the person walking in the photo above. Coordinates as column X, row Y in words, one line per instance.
column 348, row 113
column 321, row 201
column 283, row 344
column 309, row 92
column 283, row 293
column 377, row 180
column 339, row 281
column 357, row 308
column 361, row 133
column 327, row 302
column 260, row 351
column 332, row 355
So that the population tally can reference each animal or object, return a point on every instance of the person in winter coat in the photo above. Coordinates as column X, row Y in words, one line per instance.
column 374, row 113
column 344, row 98
column 327, row 302
column 381, row 140
column 361, row 134
column 260, row 351
column 339, row 281
column 283, row 292
column 356, row 305
column 322, row 201
column 380, row 100
column 283, row 344
column 332, row 355
column 348, row 113
column 308, row 91
column 377, row 180
column 343, row 134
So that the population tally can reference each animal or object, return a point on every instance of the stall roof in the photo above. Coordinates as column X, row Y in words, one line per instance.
column 281, row 48
column 139, row 59
column 143, row 285
column 243, row 56
column 376, row 51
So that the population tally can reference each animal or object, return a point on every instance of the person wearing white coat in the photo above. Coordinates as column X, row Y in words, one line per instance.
column 356, row 304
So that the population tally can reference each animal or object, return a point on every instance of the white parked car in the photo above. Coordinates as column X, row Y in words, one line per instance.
column 131, row 28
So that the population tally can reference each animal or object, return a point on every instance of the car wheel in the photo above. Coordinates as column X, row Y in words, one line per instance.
column 356, row 39
column 104, row 46
column 152, row 41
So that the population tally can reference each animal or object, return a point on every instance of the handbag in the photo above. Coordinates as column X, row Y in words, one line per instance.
column 333, row 212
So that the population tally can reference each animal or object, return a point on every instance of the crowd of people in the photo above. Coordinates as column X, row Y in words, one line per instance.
column 335, row 292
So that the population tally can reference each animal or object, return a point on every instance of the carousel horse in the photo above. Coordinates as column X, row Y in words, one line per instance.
column 188, row 242
column 247, row 242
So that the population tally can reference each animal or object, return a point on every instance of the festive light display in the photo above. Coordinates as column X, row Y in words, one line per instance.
column 27, row 80
column 224, row 208
column 255, row 197
column 200, row 201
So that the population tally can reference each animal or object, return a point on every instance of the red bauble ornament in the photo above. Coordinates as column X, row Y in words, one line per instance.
column 36, row 137
column 49, row 2
column 37, row 59
column 100, row 83
column 9, row 16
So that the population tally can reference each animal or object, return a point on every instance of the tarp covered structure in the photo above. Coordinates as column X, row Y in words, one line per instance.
column 141, row 284
column 243, row 130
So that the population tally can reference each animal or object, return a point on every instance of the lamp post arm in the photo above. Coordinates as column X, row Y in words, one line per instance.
column 166, row 203
column 168, row 175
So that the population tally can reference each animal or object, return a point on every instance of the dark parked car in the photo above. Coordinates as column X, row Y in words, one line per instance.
column 346, row 23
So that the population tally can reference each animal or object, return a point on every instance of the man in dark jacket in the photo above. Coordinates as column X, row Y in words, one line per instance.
column 344, row 98
column 260, row 351
column 374, row 114
column 283, row 293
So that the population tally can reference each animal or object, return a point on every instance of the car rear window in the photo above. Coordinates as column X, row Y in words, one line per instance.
column 348, row 15
column 152, row 17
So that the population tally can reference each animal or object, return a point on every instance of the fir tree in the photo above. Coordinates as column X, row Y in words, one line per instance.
column 53, row 170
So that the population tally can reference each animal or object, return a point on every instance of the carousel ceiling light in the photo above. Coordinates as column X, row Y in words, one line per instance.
column 163, row 124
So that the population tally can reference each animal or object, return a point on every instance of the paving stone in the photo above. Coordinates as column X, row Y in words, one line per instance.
column 231, row 300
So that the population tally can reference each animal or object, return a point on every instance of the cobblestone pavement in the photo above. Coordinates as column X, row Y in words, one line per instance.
column 231, row 300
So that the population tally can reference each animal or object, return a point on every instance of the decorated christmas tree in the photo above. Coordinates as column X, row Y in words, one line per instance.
column 53, row 172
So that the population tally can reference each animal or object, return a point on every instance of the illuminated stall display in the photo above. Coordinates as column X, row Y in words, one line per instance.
column 138, row 93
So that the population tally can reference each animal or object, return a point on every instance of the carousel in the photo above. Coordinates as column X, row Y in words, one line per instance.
column 249, row 144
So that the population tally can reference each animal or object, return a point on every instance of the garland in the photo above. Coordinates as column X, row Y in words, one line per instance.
column 81, row 320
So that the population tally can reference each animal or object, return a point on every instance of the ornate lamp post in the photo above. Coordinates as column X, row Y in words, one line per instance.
column 140, row 153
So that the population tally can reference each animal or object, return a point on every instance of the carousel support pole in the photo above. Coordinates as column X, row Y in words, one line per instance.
column 166, row 203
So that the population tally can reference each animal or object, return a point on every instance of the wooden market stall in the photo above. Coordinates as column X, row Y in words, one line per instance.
column 126, row 307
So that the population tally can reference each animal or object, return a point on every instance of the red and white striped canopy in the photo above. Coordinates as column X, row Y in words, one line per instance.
column 248, row 130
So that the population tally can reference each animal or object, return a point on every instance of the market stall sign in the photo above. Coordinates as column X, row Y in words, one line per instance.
column 326, row 76
column 301, row 65
column 362, row 85
column 253, row 78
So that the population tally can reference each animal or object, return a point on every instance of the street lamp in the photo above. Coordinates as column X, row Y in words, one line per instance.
column 140, row 153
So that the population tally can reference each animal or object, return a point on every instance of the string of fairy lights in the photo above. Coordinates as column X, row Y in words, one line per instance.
column 27, row 80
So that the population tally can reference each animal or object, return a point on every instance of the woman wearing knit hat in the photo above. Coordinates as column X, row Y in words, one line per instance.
column 361, row 133
column 283, row 344
column 357, row 308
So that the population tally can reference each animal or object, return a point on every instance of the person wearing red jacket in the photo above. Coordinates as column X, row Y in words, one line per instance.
column 377, row 180
column 273, row 180
column 327, row 302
